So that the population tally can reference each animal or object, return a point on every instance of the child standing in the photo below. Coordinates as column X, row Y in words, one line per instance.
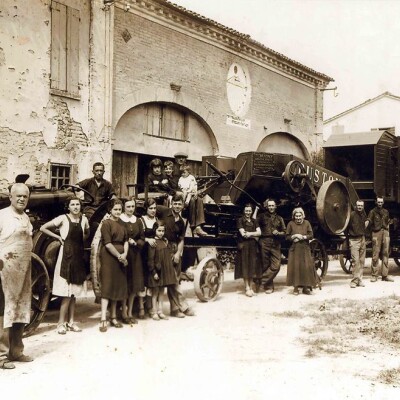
column 69, row 274
column 161, row 270
column 187, row 184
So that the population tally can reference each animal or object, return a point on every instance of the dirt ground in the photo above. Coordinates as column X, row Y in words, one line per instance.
column 234, row 348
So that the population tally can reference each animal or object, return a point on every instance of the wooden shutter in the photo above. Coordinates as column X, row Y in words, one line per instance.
column 58, row 46
column 72, row 51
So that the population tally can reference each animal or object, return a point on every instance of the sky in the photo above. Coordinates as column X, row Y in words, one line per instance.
column 355, row 42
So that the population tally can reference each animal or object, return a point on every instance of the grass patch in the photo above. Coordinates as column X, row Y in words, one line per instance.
column 390, row 376
column 289, row 314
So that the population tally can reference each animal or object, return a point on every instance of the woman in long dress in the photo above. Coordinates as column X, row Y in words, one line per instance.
column 113, row 256
column 135, row 275
column 300, row 269
column 247, row 260
column 70, row 273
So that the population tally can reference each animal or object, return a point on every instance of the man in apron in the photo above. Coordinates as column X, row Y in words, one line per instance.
column 15, row 276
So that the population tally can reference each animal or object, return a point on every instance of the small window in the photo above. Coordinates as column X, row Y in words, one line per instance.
column 64, row 50
column 60, row 174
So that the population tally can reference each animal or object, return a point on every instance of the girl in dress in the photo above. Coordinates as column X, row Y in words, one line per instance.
column 247, row 264
column 148, row 220
column 135, row 276
column 161, row 270
column 70, row 229
column 300, row 268
column 113, row 256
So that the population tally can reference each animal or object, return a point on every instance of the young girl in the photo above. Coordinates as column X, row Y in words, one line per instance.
column 161, row 270
column 69, row 274
column 135, row 266
column 113, row 256
column 187, row 184
column 247, row 261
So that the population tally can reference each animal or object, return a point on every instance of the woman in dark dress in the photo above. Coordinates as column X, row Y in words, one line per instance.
column 300, row 269
column 135, row 265
column 247, row 261
column 113, row 256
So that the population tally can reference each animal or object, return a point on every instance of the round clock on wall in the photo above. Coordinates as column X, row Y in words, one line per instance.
column 238, row 89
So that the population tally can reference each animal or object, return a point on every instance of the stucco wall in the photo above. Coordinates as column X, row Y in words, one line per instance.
column 37, row 127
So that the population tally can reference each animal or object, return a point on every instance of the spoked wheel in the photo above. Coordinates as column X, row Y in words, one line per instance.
column 345, row 259
column 208, row 279
column 295, row 175
column 318, row 252
column 40, row 293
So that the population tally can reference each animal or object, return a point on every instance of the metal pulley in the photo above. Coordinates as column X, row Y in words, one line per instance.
column 295, row 175
column 333, row 207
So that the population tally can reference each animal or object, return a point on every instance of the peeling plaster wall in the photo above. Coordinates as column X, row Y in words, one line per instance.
column 36, row 127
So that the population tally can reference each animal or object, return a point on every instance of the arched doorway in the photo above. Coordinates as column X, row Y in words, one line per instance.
column 284, row 143
column 159, row 130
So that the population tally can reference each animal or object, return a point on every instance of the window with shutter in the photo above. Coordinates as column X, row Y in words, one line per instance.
column 64, row 79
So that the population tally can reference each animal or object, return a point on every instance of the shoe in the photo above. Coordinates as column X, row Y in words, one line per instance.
column 269, row 290
column 62, row 329
column 103, row 326
column 132, row 321
column 22, row 358
column 387, row 279
column 189, row 312
column 126, row 320
column 199, row 232
column 6, row 364
column 361, row 284
column 353, row 285
column 162, row 316
column 252, row 292
column 115, row 323
column 73, row 327
column 186, row 276
column 296, row 291
column 177, row 314
column 373, row 279
column 249, row 293
column 155, row 317
column 306, row 290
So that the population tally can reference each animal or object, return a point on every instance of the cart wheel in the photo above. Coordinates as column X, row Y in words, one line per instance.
column 208, row 279
column 40, row 293
column 318, row 252
column 345, row 259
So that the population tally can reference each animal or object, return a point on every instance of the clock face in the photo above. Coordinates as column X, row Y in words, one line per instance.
column 238, row 89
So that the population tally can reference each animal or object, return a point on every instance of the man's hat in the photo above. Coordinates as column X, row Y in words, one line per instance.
column 181, row 154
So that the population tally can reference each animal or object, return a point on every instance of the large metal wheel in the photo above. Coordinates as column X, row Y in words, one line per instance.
column 333, row 207
column 320, row 256
column 295, row 175
column 40, row 293
column 208, row 279
column 345, row 259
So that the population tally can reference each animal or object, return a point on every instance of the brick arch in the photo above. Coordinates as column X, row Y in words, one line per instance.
column 285, row 143
column 159, row 95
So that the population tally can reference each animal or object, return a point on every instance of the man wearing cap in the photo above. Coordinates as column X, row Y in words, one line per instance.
column 196, row 207
column 378, row 221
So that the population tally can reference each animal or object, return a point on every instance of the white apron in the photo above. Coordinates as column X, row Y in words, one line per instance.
column 16, row 276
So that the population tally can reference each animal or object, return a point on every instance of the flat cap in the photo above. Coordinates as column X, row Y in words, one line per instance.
column 180, row 154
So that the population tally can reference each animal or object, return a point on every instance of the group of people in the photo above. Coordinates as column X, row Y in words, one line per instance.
column 259, row 250
column 259, row 247
column 140, row 257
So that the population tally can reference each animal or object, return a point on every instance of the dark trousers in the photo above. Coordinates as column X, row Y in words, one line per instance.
column 11, row 345
column 196, row 212
column 271, row 260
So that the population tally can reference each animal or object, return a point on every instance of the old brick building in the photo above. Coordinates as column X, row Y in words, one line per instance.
column 148, row 78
